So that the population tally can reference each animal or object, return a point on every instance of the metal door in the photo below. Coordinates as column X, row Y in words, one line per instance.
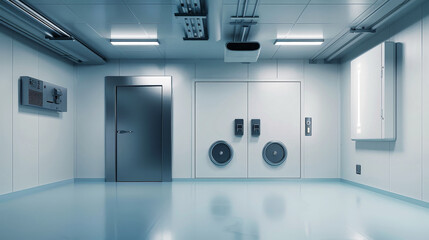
column 139, row 133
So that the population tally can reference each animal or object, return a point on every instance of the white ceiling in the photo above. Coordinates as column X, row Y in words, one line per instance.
column 96, row 21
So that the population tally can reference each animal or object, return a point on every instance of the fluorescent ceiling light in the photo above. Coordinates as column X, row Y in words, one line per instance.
column 134, row 42
column 298, row 42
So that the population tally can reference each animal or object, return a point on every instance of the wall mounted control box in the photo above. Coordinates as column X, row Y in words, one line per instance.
column 36, row 93
column 373, row 94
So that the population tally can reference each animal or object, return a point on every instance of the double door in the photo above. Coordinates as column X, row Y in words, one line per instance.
column 248, row 130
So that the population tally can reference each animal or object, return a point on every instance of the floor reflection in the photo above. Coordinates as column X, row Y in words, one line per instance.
column 236, row 210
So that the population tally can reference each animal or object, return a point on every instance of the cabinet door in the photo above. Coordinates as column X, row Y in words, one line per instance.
column 218, row 104
column 278, row 106
column 366, row 89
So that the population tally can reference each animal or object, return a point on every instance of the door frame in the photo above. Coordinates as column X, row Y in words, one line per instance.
column 111, row 84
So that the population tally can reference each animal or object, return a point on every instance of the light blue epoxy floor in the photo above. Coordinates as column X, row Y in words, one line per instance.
column 210, row 210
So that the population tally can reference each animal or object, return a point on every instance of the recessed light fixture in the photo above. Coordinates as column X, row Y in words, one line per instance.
column 135, row 42
column 298, row 42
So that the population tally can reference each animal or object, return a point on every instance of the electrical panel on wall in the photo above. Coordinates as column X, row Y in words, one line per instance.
column 373, row 94
column 37, row 93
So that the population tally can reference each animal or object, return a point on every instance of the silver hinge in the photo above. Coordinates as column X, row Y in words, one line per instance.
column 382, row 70
column 382, row 114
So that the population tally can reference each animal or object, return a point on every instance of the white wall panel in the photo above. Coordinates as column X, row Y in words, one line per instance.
column 56, row 136
column 6, row 114
column 220, row 69
column 263, row 69
column 25, row 121
column 402, row 166
column 141, row 67
column 291, row 70
column 183, row 74
column 373, row 156
column 405, row 169
column 425, row 102
column 321, row 86
column 90, row 119
column 36, row 146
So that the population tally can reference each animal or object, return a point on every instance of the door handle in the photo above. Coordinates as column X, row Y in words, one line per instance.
column 123, row 131
column 256, row 127
column 239, row 131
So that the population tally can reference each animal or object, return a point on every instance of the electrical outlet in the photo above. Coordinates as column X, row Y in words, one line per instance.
column 358, row 169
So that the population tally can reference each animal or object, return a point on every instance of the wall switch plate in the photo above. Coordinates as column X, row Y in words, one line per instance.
column 308, row 126
column 358, row 169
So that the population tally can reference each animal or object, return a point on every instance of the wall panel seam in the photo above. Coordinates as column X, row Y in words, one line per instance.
column 13, row 95
column 422, row 103
column 38, row 125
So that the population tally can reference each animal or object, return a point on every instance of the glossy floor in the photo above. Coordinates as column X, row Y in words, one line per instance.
column 210, row 210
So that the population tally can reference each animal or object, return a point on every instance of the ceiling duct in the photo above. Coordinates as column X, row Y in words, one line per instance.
column 194, row 19
column 244, row 52
column 242, row 23
column 366, row 24
column 240, row 50
column 25, row 20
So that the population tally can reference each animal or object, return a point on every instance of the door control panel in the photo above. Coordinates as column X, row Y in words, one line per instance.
column 37, row 93
column 308, row 126
column 239, row 127
column 256, row 127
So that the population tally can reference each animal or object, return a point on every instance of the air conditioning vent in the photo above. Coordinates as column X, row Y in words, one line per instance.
column 242, row 52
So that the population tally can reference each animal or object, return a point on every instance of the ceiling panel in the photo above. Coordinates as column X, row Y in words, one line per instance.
column 268, row 13
column 262, row 2
column 296, row 52
column 269, row 31
column 97, row 21
column 194, row 49
column 171, row 2
column 103, row 14
column 60, row 13
column 325, row 31
column 35, row 2
column 331, row 13
column 133, row 31
column 154, row 13
column 90, row 2
column 342, row 2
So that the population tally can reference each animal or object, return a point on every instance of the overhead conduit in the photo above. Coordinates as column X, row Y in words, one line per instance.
column 367, row 23
column 21, row 18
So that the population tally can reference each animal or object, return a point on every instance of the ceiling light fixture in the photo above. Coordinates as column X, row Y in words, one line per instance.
column 298, row 42
column 134, row 42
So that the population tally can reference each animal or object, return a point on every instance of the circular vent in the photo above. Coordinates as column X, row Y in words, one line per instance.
column 220, row 153
column 274, row 153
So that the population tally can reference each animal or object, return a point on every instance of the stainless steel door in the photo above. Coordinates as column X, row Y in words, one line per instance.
column 139, row 133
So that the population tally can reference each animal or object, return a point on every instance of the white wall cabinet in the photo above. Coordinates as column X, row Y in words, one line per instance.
column 373, row 94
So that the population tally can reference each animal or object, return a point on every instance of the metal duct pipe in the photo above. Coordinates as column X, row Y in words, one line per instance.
column 246, row 28
column 244, row 33
column 236, row 15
